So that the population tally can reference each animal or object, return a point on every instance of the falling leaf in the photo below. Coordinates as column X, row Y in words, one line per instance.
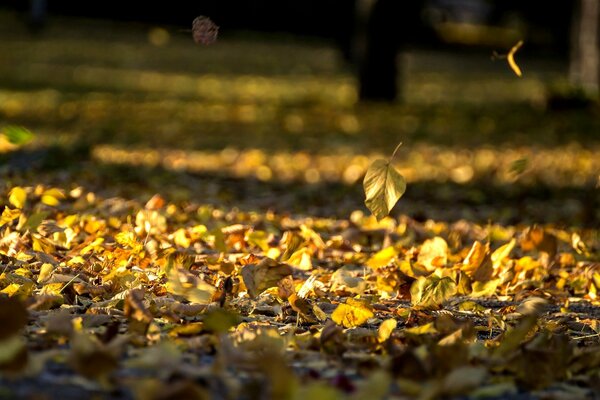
column 352, row 313
column 511, row 58
column 432, row 291
column 383, row 187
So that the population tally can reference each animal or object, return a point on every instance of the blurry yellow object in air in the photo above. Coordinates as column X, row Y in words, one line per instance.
column 511, row 58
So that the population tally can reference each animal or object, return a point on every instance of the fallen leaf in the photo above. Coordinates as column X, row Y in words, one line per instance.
column 352, row 313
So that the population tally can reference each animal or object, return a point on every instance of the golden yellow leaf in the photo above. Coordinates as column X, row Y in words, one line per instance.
column 382, row 258
column 52, row 197
column 385, row 329
column 9, row 215
column 17, row 197
column 352, row 313
column 502, row 252
column 383, row 186
column 433, row 253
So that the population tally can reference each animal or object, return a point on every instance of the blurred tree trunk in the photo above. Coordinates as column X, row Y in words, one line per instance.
column 584, row 68
column 375, row 49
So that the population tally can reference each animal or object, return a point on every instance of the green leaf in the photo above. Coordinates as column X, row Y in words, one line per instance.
column 383, row 187
column 17, row 134
column 432, row 291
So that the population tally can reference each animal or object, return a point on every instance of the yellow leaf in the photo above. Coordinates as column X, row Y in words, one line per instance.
column 478, row 265
column 382, row 258
column 433, row 253
column 484, row 289
column 385, row 329
column 432, row 291
column 45, row 271
column 422, row 329
column 182, row 283
column 502, row 252
column 511, row 58
column 9, row 215
column 52, row 197
column 352, row 313
column 17, row 197
column 383, row 187
column 301, row 259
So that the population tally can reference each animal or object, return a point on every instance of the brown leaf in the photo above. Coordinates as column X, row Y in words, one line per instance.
column 266, row 274
column 13, row 317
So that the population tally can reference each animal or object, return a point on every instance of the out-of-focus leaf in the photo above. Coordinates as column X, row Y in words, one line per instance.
column 383, row 187
column 13, row 316
column 536, row 238
column 533, row 306
column 385, row 329
column 9, row 215
column 17, row 197
column 432, row 291
column 502, row 252
column 422, row 329
column 52, row 197
column 484, row 289
column 183, row 283
column 220, row 320
column 259, row 239
column 17, row 135
column 301, row 259
column 264, row 275
column 478, row 264
column 462, row 380
column 352, row 313
column 433, row 253
column 519, row 166
column 382, row 258
column 348, row 279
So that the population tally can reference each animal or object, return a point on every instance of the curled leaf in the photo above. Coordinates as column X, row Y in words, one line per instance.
column 352, row 313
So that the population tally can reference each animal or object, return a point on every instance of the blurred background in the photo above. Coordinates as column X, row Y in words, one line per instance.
column 288, row 107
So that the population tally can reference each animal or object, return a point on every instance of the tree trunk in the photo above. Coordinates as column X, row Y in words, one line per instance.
column 376, row 48
column 584, row 68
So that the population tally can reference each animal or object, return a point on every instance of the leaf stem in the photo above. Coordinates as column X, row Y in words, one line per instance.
column 395, row 151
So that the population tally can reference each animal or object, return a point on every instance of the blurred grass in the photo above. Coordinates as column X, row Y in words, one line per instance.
column 281, row 109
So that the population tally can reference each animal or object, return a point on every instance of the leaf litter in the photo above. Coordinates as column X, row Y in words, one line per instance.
column 171, row 300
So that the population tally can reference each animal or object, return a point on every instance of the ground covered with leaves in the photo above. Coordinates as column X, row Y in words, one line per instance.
column 187, row 225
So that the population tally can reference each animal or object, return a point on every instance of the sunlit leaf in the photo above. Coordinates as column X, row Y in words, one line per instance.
column 352, row 313
column 52, row 197
column 383, row 187
column 264, row 275
column 385, row 329
column 432, row 291
column 502, row 252
column 433, row 253
column 484, row 289
column 382, row 258
column 17, row 197
column 9, row 215
column 182, row 283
